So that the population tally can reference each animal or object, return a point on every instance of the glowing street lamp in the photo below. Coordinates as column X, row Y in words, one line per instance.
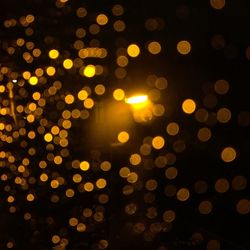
column 141, row 107
column 138, row 99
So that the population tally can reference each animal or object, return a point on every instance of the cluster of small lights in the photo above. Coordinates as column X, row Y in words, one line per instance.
column 43, row 104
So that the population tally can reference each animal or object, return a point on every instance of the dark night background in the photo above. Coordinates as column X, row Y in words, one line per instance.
column 190, row 76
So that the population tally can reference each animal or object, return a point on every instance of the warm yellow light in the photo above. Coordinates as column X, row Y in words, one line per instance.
column 89, row 71
column 133, row 50
column 136, row 99
column 67, row 63
column 69, row 99
column 82, row 95
column 101, row 183
column 123, row 137
column 30, row 197
column 53, row 54
column 51, row 71
column 158, row 142
column 88, row 103
column 189, row 106
column 48, row 137
column 84, row 165
column 184, row 47
column 33, row 80
column 102, row 19
column 118, row 94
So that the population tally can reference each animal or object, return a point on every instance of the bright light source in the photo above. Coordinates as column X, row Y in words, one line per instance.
column 14, row 80
column 136, row 99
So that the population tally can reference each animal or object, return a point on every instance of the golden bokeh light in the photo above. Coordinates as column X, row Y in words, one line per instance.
column 82, row 95
column 135, row 159
column 53, row 54
column 173, row 128
column 154, row 47
column 218, row 4
column 118, row 94
column 69, row 99
column 101, row 183
column 124, row 172
column 88, row 186
column 33, row 80
column 81, row 227
column 73, row 221
column 228, row 154
column 30, row 197
column 88, row 103
column 158, row 142
column 100, row 89
column 84, row 165
column 102, row 19
column 188, row 106
column 123, row 137
column 89, row 71
column 48, row 137
column 51, row 71
column 67, row 63
column 132, row 177
column 133, row 50
column 122, row 61
column 184, row 47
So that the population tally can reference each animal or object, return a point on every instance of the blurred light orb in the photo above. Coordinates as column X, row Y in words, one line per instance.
column 33, row 80
column 89, row 71
column 133, row 50
column 118, row 94
column 184, row 47
column 67, row 63
column 158, row 142
column 228, row 154
column 188, row 106
column 53, row 54
column 154, row 47
column 123, row 137
column 102, row 19
column 218, row 4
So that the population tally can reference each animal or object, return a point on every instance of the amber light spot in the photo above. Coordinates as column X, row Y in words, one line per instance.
column 123, row 137
column 133, row 50
column 228, row 154
column 188, row 106
column 184, row 47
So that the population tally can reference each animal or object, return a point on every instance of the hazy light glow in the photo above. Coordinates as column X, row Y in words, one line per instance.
column 136, row 99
